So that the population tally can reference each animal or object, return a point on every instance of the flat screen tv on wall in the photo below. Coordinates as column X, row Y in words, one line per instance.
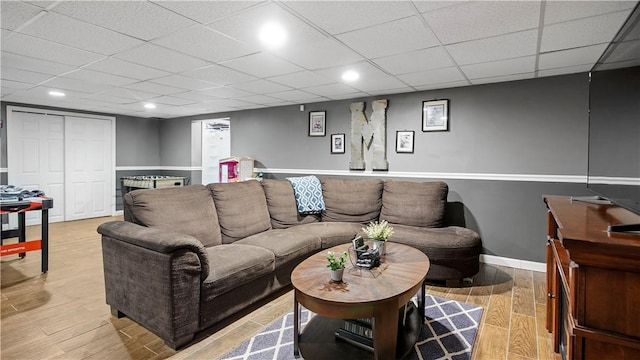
column 614, row 121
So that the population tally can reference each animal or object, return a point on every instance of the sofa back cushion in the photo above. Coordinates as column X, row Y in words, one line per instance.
column 414, row 204
column 186, row 209
column 351, row 200
column 281, row 202
column 242, row 209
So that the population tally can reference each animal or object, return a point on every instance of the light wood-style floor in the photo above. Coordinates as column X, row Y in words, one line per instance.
column 63, row 315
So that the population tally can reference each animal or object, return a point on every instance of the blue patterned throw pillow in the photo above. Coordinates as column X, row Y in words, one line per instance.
column 308, row 193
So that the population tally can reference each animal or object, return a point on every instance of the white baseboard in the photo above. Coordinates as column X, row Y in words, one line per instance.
column 118, row 213
column 514, row 263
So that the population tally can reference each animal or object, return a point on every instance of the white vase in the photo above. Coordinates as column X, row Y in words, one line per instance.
column 379, row 244
column 336, row 275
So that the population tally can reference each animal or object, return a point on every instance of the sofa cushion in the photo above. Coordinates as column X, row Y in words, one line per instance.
column 282, row 205
column 233, row 265
column 332, row 233
column 414, row 204
column 286, row 244
column 242, row 209
column 351, row 200
column 447, row 243
column 186, row 209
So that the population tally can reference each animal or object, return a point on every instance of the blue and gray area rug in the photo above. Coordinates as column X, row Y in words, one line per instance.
column 449, row 333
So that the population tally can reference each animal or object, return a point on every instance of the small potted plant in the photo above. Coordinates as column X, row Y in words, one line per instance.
column 379, row 232
column 337, row 264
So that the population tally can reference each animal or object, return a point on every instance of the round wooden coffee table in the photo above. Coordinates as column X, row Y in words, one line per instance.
column 376, row 294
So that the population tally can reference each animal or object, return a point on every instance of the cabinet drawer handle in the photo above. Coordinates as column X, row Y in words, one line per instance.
column 551, row 296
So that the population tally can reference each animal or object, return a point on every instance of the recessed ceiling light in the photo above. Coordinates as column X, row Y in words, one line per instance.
column 273, row 35
column 350, row 75
column 150, row 106
column 56, row 93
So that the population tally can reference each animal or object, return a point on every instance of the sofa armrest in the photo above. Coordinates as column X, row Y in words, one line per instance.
column 154, row 277
column 156, row 240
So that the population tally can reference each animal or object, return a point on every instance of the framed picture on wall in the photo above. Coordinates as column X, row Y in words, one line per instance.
column 435, row 115
column 317, row 122
column 337, row 143
column 404, row 141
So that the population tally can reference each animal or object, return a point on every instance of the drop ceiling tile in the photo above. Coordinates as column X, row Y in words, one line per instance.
column 206, row 11
column 129, row 93
column 583, row 32
column 262, row 65
column 204, row 43
column 246, row 26
column 500, row 67
column 482, row 19
column 565, row 70
column 349, row 96
column 260, row 99
column 15, row 85
column 420, row 60
column 227, row 102
column 24, row 76
column 27, row 63
column 330, row 90
column 337, row 17
column 226, row 92
column 67, row 83
column 184, row 82
column 261, row 87
column 100, row 77
column 560, row 11
column 439, row 86
column 140, row 19
column 390, row 38
column 196, row 96
column 68, row 31
column 371, row 78
column 42, row 93
column 426, row 6
column 109, row 99
column 155, row 88
column 219, row 75
column 383, row 92
column 42, row 4
column 171, row 100
column 496, row 48
column 126, row 69
column 15, row 13
column 446, row 75
column 294, row 95
column 320, row 54
column 45, row 50
column 504, row 78
column 20, row 97
column 301, row 79
column 160, row 58
column 581, row 56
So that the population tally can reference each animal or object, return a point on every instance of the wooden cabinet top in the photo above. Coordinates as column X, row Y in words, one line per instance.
column 582, row 229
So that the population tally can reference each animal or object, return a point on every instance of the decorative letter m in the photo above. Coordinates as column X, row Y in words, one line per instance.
column 369, row 134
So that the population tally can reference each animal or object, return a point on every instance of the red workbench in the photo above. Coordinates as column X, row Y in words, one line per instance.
column 21, row 207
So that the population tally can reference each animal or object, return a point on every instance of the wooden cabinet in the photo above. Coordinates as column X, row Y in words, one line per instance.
column 593, row 281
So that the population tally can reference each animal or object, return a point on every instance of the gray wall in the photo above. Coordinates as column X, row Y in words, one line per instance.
column 532, row 127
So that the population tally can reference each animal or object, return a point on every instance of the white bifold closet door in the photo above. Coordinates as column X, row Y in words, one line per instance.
column 87, row 168
column 35, row 160
column 67, row 157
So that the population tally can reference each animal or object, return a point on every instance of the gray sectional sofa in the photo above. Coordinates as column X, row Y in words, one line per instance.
column 186, row 258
